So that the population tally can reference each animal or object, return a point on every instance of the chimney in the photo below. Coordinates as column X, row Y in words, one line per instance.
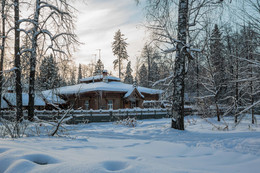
column 104, row 73
column 105, row 79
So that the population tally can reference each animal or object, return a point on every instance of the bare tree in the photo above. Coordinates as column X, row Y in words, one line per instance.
column 56, row 14
column 17, row 53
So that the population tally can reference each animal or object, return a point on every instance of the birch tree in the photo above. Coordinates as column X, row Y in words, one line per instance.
column 3, row 38
column 177, row 39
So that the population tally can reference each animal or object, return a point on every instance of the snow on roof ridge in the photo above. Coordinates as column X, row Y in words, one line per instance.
column 98, row 77
column 103, row 86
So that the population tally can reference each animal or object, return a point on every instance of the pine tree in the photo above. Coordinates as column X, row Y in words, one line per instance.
column 72, row 80
column 128, row 76
column 119, row 49
column 142, row 76
column 99, row 67
column 49, row 77
column 154, row 73
column 80, row 73
column 218, row 67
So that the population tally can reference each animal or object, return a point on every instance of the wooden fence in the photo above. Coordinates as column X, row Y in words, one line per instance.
column 84, row 116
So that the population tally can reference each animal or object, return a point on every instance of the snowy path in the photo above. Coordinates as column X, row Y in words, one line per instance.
column 150, row 147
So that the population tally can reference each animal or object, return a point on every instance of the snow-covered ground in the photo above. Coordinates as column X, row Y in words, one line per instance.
column 152, row 146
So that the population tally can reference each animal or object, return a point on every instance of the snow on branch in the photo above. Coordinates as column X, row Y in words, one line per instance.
column 170, row 50
column 10, row 70
column 163, row 80
column 250, row 61
column 246, row 109
column 45, row 31
column 45, row 4
column 25, row 50
column 27, row 20
column 61, row 34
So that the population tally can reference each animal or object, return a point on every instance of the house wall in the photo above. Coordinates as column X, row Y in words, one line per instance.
column 150, row 96
column 99, row 100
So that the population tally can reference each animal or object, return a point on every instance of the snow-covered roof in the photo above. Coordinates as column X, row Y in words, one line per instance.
column 129, row 92
column 11, row 98
column 104, row 86
column 52, row 98
column 98, row 78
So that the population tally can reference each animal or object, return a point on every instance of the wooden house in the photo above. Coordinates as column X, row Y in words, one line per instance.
column 105, row 92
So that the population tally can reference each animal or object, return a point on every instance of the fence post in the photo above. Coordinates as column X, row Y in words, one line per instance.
column 111, row 115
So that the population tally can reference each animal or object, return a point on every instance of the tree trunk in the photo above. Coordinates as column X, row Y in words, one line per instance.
column 218, row 111
column 17, row 61
column 33, row 63
column 179, row 74
column 2, row 51
column 119, row 66
column 236, row 88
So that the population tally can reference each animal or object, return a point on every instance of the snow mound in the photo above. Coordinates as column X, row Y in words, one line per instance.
column 14, row 160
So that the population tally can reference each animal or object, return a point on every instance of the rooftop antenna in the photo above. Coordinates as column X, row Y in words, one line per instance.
column 99, row 52
column 95, row 55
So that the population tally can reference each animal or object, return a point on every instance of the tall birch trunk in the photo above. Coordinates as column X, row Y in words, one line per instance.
column 17, row 61
column 119, row 66
column 179, row 74
column 33, row 61
column 2, row 51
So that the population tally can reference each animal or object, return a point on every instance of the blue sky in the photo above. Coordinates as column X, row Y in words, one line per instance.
column 98, row 20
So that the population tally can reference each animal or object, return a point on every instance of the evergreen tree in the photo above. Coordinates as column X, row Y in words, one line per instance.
column 218, row 64
column 128, row 76
column 217, row 59
column 73, row 77
column 143, row 76
column 99, row 67
column 154, row 73
column 119, row 49
column 80, row 73
column 49, row 77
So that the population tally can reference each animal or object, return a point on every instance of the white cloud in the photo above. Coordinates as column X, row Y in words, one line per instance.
column 97, row 23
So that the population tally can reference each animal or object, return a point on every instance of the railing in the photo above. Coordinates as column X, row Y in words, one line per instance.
column 82, row 116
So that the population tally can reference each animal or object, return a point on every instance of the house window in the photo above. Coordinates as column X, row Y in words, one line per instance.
column 87, row 104
column 110, row 104
column 133, row 104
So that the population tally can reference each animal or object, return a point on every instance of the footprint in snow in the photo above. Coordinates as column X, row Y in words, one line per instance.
column 114, row 165
column 40, row 159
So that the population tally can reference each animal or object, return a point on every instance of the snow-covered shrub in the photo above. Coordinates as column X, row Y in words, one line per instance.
column 129, row 122
column 191, row 121
column 12, row 128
